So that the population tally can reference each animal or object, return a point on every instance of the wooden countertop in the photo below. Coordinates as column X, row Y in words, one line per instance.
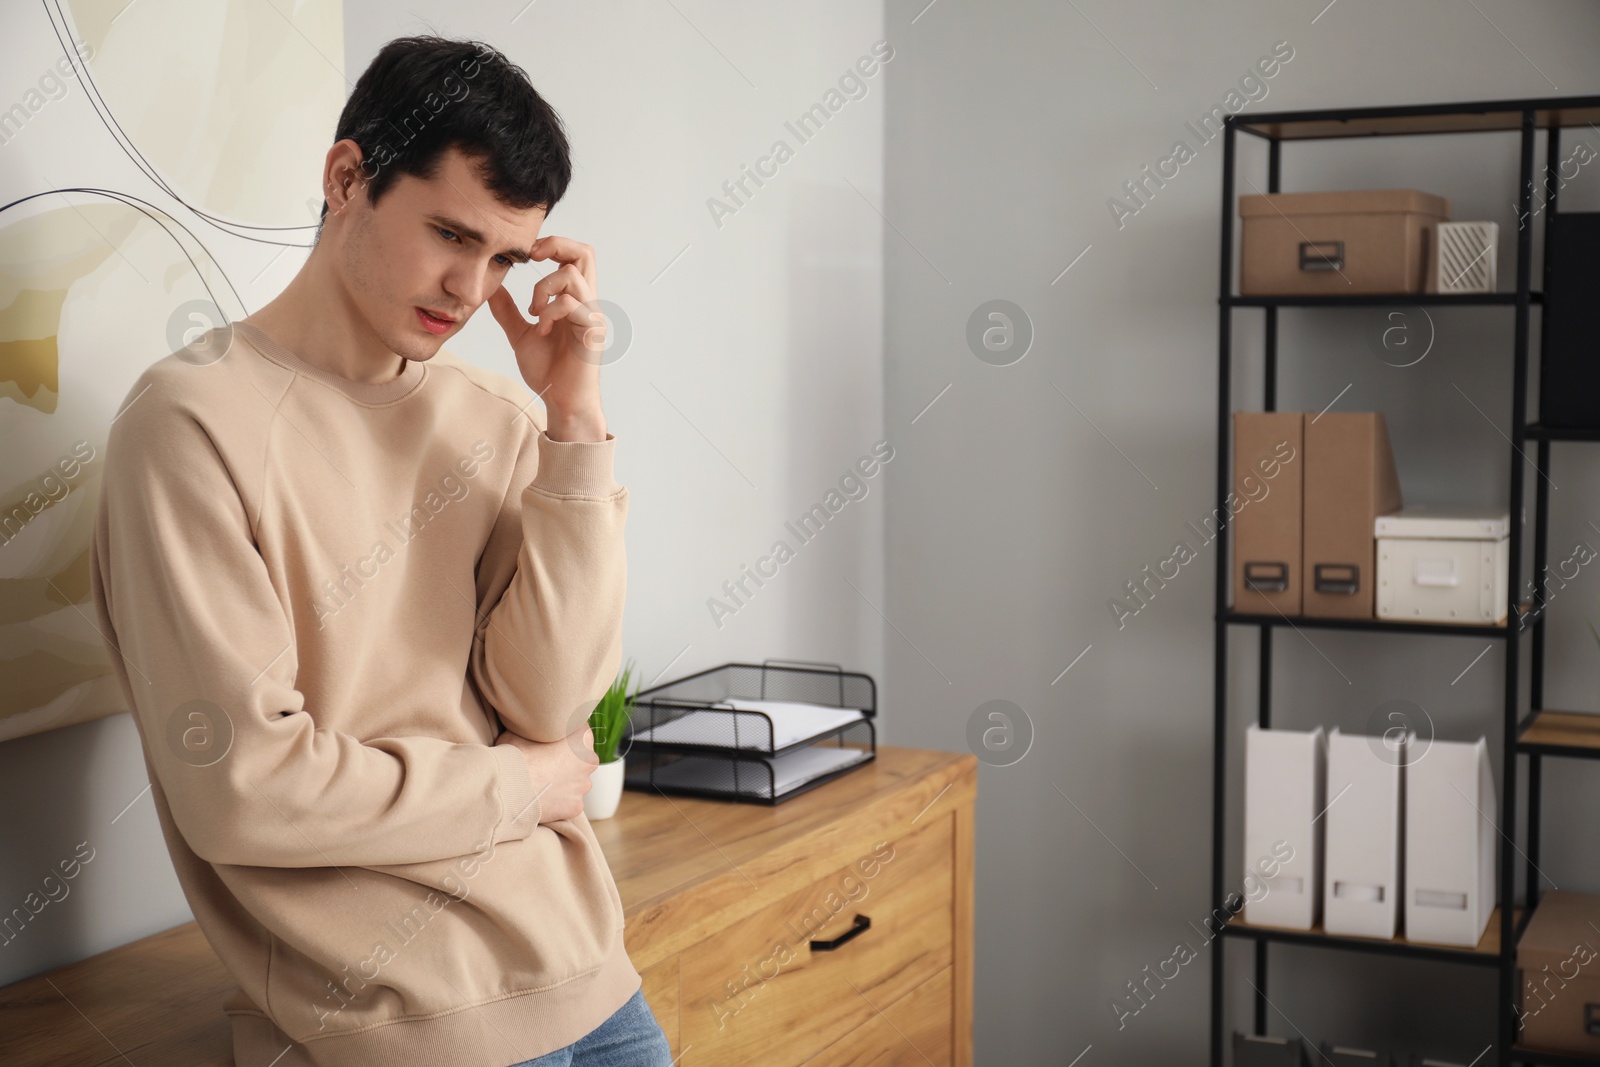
column 677, row 861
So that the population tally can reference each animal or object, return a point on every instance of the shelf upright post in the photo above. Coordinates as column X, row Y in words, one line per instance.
column 1519, row 400
column 1541, row 536
column 1269, row 403
column 1219, row 742
column 1269, row 347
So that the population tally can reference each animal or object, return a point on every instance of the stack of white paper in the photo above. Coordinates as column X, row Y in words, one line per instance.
column 789, row 771
column 791, row 722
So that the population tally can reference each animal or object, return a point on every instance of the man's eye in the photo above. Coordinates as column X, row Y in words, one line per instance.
column 450, row 235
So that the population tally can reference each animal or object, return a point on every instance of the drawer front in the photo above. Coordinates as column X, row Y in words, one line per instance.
column 913, row 1030
column 760, row 992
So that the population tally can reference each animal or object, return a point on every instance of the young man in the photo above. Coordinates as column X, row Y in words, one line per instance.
column 361, row 596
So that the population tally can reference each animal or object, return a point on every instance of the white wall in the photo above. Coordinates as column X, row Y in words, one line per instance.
column 1014, row 515
column 753, row 382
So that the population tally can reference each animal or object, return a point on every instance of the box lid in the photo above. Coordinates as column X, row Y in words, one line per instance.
column 1562, row 922
column 1345, row 202
column 1444, row 523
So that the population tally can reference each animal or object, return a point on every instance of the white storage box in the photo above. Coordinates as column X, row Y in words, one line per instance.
column 1361, row 879
column 1450, row 844
column 1443, row 565
column 1284, row 774
column 1463, row 260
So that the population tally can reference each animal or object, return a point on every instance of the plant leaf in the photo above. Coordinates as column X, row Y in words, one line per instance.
column 611, row 715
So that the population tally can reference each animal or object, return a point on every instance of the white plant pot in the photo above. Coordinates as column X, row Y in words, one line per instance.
column 600, row 802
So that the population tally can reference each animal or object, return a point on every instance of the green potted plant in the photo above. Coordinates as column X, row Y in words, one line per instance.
column 609, row 721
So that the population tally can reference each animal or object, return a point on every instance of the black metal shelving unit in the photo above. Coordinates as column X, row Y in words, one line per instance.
column 1541, row 733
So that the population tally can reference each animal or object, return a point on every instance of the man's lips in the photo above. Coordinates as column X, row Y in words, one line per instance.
column 434, row 323
column 448, row 319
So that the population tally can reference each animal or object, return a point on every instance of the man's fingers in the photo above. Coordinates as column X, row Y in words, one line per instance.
column 567, row 251
column 504, row 310
column 563, row 306
column 564, row 279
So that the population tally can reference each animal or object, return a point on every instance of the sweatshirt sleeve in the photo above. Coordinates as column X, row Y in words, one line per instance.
column 204, row 652
column 552, row 644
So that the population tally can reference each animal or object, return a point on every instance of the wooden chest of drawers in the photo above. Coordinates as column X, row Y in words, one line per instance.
column 726, row 921
column 730, row 911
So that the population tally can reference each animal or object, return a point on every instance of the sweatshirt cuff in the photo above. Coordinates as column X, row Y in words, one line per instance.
column 520, row 809
column 577, row 468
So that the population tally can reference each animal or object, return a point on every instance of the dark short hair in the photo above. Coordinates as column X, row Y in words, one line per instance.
column 421, row 96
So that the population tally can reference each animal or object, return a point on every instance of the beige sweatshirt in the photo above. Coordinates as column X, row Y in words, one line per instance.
column 323, row 600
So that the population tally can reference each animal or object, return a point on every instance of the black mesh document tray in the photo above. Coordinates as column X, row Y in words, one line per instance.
column 688, row 736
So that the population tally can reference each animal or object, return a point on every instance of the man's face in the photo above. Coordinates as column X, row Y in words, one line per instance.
column 440, row 245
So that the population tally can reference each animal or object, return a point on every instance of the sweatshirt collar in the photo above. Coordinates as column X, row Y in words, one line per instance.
column 410, row 377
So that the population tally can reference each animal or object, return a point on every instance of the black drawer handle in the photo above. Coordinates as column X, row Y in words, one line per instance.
column 1321, row 255
column 1591, row 1019
column 1342, row 578
column 1266, row 577
column 863, row 924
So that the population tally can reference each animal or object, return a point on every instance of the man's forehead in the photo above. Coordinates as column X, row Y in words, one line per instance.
column 456, row 196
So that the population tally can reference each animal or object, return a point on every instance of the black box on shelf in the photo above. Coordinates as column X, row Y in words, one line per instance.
column 759, row 734
column 1569, row 372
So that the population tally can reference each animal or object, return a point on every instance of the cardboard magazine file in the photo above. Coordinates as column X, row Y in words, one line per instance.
column 1450, row 843
column 1361, row 871
column 1341, row 243
column 1268, row 451
column 1284, row 776
column 1350, row 480
column 1558, row 974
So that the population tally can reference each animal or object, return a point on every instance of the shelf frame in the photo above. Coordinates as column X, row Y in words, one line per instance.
column 1312, row 622
column 1365, row 300
column 1525, row 118
column 1485, row 954
column 1481, row 116
column 1569, row 734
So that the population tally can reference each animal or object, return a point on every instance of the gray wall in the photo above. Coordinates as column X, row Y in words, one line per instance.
column 1029, row 494
column 780, row 346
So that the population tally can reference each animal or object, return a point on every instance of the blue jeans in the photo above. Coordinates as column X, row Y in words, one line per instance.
column 630, row 1038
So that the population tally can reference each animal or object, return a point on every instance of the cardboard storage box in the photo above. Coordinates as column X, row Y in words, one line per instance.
column 1350, row 480
column 1444, row 565
column 1558, row 974
column 1450, row 843
column 1284, row 776
column 1332, row 243
column 1361, row 870
column 1268, row 450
